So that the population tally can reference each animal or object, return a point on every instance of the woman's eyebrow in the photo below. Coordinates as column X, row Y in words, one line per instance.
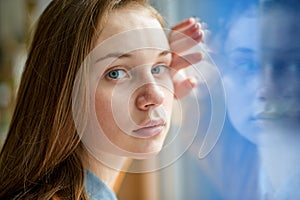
column 120, row 55
column 114, row 55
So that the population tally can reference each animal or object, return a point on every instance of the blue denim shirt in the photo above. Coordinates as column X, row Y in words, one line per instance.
column 96, row 189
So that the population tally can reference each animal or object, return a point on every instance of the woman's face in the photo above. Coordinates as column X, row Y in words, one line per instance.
column 134, row 95
column 262, row 79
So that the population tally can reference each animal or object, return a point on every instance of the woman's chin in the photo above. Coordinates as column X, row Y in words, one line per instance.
column 143, row 152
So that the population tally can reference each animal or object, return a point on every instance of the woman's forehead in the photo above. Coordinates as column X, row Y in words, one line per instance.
column 280, row 29
column 243, row 33
column 128, row 30
column 126, row 19
column 131, row 41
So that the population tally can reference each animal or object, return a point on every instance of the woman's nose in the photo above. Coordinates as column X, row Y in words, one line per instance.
column 272, row 84
column 149, row 96
column 266, row 85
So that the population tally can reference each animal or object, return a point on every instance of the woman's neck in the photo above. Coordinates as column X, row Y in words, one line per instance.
column 280, row 156
column 107, row 174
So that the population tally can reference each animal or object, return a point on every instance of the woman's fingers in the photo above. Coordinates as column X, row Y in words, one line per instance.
column 193, row 33
column 184, row 24
column 184, row 36
column 186, row 43
column 180, row 62
column 184, row 87
column 188, row 30
column 182, row 29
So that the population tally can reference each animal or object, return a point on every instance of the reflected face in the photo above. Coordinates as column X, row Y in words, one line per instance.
column 263, row 76
column 134, row 96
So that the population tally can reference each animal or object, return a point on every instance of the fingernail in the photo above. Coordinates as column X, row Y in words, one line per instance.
column 199, row 25
column 192, row 19
column 197, row 19
column 193, row 81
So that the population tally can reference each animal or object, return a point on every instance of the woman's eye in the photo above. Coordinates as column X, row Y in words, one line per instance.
column 245, row 65
column 117, row 74
column 159, row 69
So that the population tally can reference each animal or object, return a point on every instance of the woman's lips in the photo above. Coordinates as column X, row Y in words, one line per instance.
column 149, row 129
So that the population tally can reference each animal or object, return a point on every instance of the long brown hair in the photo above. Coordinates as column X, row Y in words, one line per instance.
column 42, row 157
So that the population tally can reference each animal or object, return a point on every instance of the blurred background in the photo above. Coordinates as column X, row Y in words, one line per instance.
column 17, row 18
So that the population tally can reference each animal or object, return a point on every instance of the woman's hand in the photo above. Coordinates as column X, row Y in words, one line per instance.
column 183, row 37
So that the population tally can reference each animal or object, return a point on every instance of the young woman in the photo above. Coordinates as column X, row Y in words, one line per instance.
column 44, row 156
